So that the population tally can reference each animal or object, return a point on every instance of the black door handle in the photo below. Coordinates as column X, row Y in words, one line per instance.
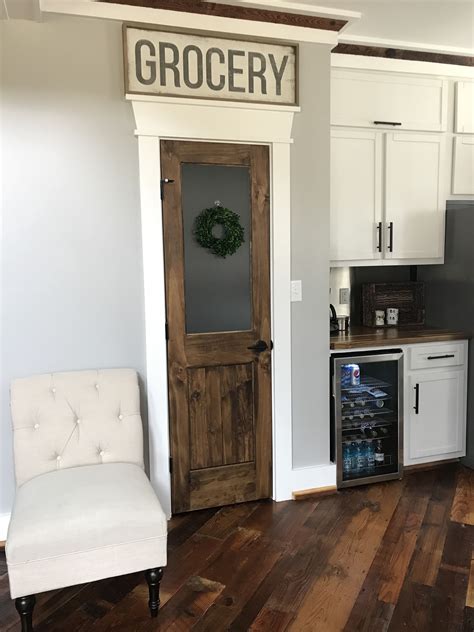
column 379, row 237
column 259, row 346
column 390, row 233
column 417, row 399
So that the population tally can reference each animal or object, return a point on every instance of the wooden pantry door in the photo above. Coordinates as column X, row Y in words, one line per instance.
column 218, row 313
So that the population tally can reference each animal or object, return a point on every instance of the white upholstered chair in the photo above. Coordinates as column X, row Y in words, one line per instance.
column 84, row 508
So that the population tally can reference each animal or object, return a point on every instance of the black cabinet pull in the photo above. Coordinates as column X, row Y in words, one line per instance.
column 417, row 399
column 390, row 237
column 379, row 237
column 441, row 357
column 394, row 123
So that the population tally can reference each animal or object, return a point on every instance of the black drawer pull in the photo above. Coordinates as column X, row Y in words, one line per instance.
column 394, row 123
column 417, row 399
column 441, row 357
column 390, row 238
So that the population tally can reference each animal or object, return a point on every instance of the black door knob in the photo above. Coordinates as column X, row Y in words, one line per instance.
column 259, row 346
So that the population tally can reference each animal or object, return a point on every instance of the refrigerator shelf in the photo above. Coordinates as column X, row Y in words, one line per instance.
column 366, row 382
column 356, row 414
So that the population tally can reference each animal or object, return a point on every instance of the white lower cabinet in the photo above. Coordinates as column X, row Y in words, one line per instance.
column 435, row 407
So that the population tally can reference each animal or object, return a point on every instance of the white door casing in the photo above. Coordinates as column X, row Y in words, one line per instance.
column 184, row 119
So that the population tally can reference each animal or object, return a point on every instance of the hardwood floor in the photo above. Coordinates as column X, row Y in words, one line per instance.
column 391, row 557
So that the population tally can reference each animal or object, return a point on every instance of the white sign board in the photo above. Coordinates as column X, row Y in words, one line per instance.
column 205, row 67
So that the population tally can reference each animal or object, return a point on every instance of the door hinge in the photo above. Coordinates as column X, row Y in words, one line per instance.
column 164, row 181
column 167, row 332
column 171, row 465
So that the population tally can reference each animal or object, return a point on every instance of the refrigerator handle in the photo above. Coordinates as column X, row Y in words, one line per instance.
column 417, row 399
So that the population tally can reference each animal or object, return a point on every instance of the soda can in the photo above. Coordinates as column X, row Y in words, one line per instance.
column 355, row 375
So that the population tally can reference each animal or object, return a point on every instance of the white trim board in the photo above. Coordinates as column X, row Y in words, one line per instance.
column 190, row 21
column 364, row 62
column 170, row 118
column 364, row 40
column 4, row 522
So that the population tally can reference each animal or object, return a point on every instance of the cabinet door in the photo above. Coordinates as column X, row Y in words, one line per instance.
column 464, row 107
column 356, row 195
column 463, row 166
column 378, row 99
column 436, row 426
column 414, row 204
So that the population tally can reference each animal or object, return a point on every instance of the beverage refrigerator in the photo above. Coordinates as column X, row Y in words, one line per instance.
column 367, row 416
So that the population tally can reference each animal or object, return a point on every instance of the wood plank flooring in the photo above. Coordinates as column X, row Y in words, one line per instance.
column 391, row 557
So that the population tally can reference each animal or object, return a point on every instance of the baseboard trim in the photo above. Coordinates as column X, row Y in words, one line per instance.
column 316, row 492
column 4, row 522
column 410, row 469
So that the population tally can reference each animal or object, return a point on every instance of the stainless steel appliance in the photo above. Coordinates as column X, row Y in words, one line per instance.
column 367, row 416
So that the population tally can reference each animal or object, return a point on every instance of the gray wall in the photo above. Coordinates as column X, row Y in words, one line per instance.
column 310, row 260
column 450, row 291
column 72, row 293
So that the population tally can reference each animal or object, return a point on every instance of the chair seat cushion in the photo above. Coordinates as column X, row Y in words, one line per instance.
column 82, row 524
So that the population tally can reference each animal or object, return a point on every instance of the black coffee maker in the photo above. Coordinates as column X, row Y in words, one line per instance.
column 333, row 322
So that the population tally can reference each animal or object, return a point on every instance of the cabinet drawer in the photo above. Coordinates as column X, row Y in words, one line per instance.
column 388, row 101
column 436, row 356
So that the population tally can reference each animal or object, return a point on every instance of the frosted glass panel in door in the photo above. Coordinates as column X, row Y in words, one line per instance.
column 217, row 290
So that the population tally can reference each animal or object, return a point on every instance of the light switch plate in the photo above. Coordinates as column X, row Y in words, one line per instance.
column 296, row 291
column 344, row 296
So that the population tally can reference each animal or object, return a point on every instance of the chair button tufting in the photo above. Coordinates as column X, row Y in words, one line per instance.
column 78, row 421
column 97, row 386
column 120, row 417
column 36, row 426
column 53, row 390
column 101, row 453
column 58, row 458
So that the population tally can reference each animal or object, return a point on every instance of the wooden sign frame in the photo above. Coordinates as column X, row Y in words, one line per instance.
column 198, row 33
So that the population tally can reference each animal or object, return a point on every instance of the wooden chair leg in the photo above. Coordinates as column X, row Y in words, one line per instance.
column 24, row 606
column 153, row 578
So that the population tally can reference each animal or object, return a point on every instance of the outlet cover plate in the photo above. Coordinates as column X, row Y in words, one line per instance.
column 296, row 291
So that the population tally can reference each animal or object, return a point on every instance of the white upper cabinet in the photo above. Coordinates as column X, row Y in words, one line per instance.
column 464, row 122
column 386, row 100
column 356, row 195
column 414, row 207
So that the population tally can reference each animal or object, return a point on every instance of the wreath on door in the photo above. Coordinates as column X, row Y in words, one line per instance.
column 218, row 215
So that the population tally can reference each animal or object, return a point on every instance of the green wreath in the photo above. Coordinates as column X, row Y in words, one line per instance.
column 233, row 236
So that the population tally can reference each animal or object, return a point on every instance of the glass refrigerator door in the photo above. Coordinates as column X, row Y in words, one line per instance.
column 368, row 411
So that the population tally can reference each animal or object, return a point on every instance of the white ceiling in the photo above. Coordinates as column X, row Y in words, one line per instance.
column 448, row 24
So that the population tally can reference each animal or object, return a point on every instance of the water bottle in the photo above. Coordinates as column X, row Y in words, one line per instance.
column 346, row 458
column 364, row 454
column 370, row 456
column 360, row 456
column 354, row 456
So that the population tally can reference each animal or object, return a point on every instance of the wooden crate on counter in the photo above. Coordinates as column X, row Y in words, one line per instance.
column 408, row 297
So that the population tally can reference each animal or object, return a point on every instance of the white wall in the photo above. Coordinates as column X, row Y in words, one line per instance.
column 310, row 260
column 72, row 286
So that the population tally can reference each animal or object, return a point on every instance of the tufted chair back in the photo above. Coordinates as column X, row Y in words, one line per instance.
column 63, row 420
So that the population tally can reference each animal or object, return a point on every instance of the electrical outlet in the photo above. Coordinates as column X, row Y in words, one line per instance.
column 296, row 291
column 344, row 296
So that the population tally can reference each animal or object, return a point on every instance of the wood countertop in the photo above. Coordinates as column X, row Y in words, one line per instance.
column 361, row 337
